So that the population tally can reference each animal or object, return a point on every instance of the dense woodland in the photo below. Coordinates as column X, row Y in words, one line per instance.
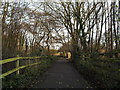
column 90, row 31
column 90, row 27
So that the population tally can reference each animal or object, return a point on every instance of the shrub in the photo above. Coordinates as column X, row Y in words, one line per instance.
column 100, row 73
column 29, row 76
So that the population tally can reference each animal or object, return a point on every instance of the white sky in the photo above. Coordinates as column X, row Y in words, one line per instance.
column 56, row 0
column 65, row 31
column 103, row 28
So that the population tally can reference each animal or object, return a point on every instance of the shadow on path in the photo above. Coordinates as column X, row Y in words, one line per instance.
column 61, row 75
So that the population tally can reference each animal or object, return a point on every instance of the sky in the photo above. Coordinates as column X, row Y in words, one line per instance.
column 57, row 45
column 56, row 0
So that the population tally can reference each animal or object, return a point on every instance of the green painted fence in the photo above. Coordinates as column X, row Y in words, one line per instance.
column 17, row 59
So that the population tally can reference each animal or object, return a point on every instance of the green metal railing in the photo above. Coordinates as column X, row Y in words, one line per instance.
column 18, row 67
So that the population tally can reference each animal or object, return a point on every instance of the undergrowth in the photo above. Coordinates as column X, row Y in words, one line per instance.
column 30, row 75
column 102, row 73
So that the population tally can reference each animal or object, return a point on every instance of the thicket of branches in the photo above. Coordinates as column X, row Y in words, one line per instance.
column 27, row 30
column 91, row 26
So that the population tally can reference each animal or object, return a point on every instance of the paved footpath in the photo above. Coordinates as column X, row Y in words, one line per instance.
column 61, row 75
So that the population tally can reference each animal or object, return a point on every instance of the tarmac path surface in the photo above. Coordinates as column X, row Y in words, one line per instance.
column 61, row 75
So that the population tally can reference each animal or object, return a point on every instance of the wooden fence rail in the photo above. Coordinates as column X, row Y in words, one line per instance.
column 18, row 67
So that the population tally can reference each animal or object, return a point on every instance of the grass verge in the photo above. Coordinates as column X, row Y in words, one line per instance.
column 100, row 73
column 30, row 75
